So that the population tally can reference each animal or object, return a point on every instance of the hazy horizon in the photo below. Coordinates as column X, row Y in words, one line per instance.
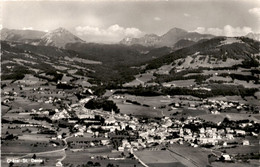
column 111, row 21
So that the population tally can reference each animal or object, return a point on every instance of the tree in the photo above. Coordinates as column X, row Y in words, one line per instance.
column 222, row 159
column 110, row 165
column 97, row 164
column 34, row 156
column 11, row 164
column 90, row 163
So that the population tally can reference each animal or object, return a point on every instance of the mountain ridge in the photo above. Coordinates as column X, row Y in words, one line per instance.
column 254, row 36
column 25, row 36
column 59, row 38
column 168, row 39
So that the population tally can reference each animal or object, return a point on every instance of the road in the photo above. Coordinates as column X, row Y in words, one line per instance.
column 66, row 146
column 190, row 160
column 142, row 82
column 49, row 152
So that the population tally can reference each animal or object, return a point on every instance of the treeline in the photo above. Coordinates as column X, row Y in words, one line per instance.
column 102, row 103
column 56, row 76
column 142, row 91
column 168, row 78
column 216, row 90
column 17, row 73
column 220, row 90
column 241, row 77
column 113, row 75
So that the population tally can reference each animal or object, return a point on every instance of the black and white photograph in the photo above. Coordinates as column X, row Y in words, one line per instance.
column 130, row 83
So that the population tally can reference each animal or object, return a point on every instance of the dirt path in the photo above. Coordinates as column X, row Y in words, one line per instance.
column 65, row 155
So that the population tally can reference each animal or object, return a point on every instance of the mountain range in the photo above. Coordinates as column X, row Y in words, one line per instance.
column 167, row 39
column 24, row 36
column 39, row 52
column 175, row 38
column 57, row 38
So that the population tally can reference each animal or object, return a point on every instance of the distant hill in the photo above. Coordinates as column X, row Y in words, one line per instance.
column 59, row 38
column 168, row 39
column 25, row 36
column 219, row 48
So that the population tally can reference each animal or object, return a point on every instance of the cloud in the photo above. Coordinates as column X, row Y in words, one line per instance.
column 227, row 30
column 157, row 18
column 27, row 28
column 186, row 15
column 255, row 12
column 114, row 33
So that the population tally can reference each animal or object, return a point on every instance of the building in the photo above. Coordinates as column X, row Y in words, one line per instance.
column 246, row 143
column 226, row 157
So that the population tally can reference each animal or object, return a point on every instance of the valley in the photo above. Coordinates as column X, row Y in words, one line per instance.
column 167, row 102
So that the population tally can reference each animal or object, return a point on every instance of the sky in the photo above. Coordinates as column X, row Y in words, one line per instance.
column 110, row 21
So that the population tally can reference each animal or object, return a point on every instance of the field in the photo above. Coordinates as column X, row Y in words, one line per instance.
column 21, row 146
column 153, row 101
column 197, row 155
column 4, row 109
column 181, row 83
column 140, row 79
column 193, row 112
column 50, row 159
column 138, row 110
column 99, row 155
column 163, row 157
column 156, row 105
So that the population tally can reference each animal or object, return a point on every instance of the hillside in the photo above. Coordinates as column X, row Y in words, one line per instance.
column 229, row 60
column 117, row 54
column 182, row 44
column 101, row 62
column 219, row 48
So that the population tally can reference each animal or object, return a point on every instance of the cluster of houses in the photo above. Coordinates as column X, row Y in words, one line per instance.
column 147, row 134
column 215, row 106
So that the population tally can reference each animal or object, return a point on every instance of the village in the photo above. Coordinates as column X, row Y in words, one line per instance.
column 64, row 123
